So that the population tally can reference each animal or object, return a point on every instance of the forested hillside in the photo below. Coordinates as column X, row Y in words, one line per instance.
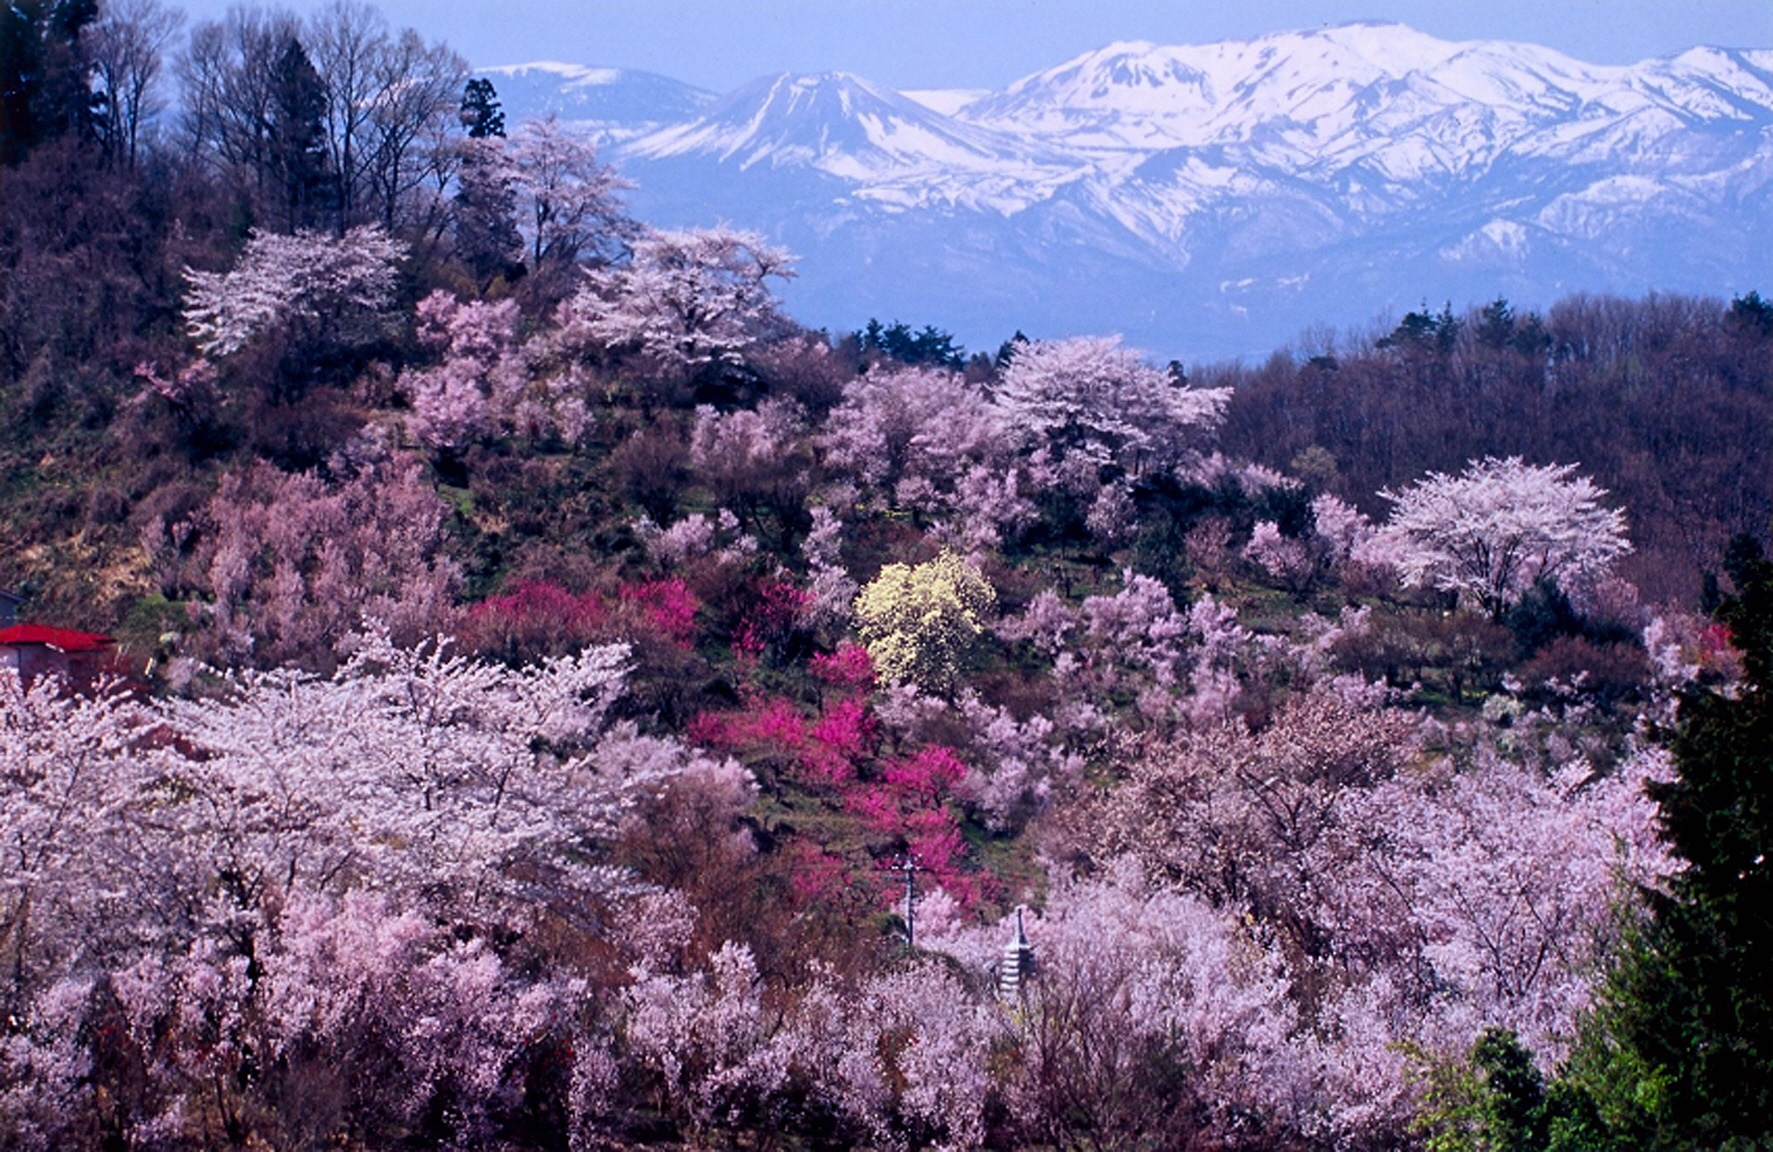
column 1664, row 399
column 544, row 670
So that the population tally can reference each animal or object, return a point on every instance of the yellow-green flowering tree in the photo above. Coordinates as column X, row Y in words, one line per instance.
column 919, row 620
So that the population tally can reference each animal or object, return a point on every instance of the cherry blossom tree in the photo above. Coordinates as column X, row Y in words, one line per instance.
column 1301, row 563
column 1269, row 797
column 1018, row 767
column 346, row 1018
column 684, row 300
column 1496, row 529
column 485, row 387
column 567, row 200
column 1502, row 878
column 1152, row 1020
column 1174, row 667
column 451, row 402
column 701, row 1042
column 337, row 288
column 291, row 563
column 1089, row 396
column 302, row 906
column 65, row 774
column 926, row 440
column 754, row 459
column 1418, row 903
column 911, row 433
column 413, row 771
column 832, row 592
column 917, row 1069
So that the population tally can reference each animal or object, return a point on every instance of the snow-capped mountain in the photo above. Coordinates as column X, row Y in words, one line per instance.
column 611, row 103
column 1214, row 199
column 894, row 151
column 1295, row 97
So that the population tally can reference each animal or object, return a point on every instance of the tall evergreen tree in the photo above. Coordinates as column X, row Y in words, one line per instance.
column 482, row 114
column 298, row 138
column 485, row 213
column 45, row 77
column 1683, row 1054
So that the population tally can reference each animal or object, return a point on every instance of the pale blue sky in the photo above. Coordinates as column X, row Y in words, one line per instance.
column 720, row 44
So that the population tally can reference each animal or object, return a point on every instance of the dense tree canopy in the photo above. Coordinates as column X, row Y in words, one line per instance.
column 1092, row 397
column 919, row 620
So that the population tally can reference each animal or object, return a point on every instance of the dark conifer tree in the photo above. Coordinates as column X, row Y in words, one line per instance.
column 1683, row 1055
column 45, row 81
column 297, row 143
column 485, row 215
column 1495, row 326
column 929, row 346
column 1752, row 314
column 482, row 114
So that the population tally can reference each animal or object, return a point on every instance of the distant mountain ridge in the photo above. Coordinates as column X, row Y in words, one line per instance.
column 1216, row 199
column 612, row 103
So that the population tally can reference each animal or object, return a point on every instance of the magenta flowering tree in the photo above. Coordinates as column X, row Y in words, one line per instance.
column 533, row 619
column 847, row 668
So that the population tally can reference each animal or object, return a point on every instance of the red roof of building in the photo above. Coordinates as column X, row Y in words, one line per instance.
column 66, row 639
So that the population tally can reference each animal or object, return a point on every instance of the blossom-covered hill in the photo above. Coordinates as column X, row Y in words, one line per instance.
column 549, row 696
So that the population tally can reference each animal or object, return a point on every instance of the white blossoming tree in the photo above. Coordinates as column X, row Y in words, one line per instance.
column 1493, row 531
column 568, row 201
column 1092, row 397
column 684, row 300
column 342, row 286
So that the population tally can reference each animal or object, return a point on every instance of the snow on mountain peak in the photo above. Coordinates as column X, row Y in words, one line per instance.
column 903, row 152
column 567, row 75
column 1383, row 95
column 609, row 103
column 1343, row 158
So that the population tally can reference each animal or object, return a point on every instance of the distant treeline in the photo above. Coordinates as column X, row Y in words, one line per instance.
column 1667, row 401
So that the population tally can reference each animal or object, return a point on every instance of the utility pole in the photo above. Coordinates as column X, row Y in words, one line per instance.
column 908, row 865
column 1017, row 964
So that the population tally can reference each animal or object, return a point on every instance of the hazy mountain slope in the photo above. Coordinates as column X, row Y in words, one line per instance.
column 613, row 103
